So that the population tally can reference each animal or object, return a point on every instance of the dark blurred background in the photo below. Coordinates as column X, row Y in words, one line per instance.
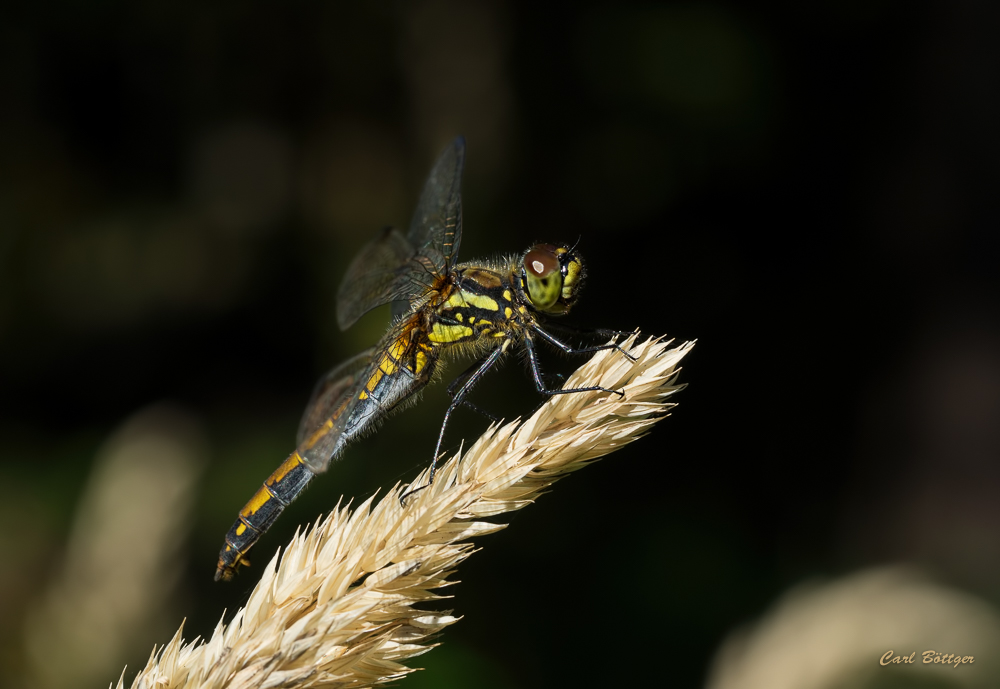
column 808, row 189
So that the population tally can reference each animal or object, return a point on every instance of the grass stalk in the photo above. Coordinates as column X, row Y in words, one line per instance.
column 340, row 607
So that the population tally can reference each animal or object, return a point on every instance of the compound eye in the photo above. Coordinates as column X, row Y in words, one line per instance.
column 541, row 261
column 544, row 276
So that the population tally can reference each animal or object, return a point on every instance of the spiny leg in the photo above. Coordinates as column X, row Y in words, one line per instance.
column 580, row 350
column 471, row 377
column 460, row 380
column 536, row 368
column 586, row 332
column 578, row 334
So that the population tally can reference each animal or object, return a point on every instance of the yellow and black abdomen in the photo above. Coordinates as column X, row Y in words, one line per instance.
column 270, row 500
column 399, row 367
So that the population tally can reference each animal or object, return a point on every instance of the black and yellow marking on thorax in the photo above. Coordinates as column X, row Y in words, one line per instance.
column 480, row 306
column 444, row 333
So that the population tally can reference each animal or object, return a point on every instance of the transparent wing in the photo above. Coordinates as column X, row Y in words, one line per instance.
column 331, row 391
column 377, row 275
column 397, row 268
column 400, row 308
column 355, row 396
column 436, row 228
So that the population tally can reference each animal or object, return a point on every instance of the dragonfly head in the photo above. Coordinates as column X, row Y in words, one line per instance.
column 551, row 277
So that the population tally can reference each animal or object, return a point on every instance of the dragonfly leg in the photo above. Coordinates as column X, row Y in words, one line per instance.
column 536, row 367
column 460, row 381
column 471, row 377
column 577, row 330
column 580, row 350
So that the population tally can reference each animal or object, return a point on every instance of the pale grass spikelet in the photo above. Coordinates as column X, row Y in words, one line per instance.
column 338, row 609
column 836, row 633
column 125, row 553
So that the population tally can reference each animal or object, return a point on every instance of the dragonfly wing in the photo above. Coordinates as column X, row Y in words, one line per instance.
column 397, row 268
column 436, row 228
column 400, row 308
column 331, row 391
column 363, row 391
column 376, row 276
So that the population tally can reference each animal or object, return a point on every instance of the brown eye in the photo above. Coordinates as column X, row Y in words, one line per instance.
column 541, row 261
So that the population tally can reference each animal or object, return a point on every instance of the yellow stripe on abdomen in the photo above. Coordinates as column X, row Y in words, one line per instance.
column 398, row 348
column 259, row 499
column 293, row 461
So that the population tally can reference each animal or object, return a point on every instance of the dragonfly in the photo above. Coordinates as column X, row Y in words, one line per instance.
column 440, row 308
